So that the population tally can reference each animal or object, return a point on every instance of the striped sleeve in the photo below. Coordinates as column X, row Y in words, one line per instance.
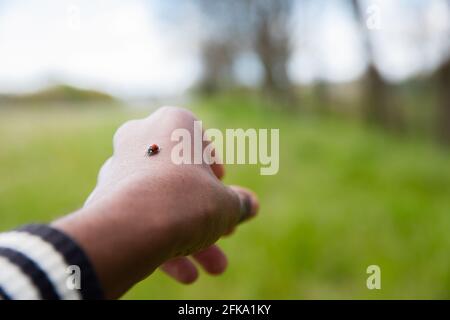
column 41, row 262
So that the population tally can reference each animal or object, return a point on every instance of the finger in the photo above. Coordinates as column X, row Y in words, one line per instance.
column 217, row 168
column 181, row 269
column 229, row 232
column 212, row 259
column 249, row 204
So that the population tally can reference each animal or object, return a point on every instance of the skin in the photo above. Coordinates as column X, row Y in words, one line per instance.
column 147, row 212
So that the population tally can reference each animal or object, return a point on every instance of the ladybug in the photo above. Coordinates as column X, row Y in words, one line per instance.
column 153, row 149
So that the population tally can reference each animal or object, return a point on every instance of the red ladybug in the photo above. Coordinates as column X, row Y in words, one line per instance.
column 153, row 149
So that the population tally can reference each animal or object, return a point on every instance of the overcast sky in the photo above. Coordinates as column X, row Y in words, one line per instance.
column 127, row 49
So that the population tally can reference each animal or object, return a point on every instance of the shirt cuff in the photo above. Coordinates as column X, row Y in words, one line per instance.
column 40, row 262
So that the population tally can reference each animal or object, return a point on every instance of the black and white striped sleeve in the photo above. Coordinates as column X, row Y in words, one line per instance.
column 40, row 262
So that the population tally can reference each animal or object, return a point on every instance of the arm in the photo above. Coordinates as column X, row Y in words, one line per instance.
column 147, row 212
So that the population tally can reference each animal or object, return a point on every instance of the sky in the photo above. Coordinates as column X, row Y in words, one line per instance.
column 131, row 49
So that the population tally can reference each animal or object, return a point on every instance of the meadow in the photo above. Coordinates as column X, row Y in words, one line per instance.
column 345, row 197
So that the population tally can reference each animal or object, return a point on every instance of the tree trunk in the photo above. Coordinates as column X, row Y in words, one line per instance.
column 377, row 107
column 273, row 47
column 443, row 75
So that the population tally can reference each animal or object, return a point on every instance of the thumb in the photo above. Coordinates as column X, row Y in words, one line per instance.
column 248, row 203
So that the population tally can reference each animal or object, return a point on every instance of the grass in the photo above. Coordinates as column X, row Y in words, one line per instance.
column 345, row 197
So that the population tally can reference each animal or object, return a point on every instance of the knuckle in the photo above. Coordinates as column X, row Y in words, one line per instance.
column 221, row 207
column 176, row 112
column 234, row 206
column 122, row 130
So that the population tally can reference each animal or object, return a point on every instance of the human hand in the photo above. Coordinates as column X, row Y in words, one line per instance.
column 148, row 211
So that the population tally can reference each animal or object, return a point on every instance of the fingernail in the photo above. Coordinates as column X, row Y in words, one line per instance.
column 247, row 207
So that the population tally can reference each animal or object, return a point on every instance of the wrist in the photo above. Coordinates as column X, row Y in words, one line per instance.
column 122, row 248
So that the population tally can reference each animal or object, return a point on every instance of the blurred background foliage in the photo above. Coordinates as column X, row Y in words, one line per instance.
column 364, row 166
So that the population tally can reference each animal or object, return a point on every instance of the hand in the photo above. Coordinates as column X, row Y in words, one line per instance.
column 148, row 211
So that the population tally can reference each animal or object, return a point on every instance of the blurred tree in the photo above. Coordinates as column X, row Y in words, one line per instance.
column 240, row 26
column 217, row 60
column 377, row 108
column 221, row 44
column 272, row 41
column 443, row 78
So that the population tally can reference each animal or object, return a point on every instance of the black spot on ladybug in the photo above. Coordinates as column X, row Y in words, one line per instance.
column 153, row 149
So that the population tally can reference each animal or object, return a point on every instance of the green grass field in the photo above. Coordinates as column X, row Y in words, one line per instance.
column 345, row 197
